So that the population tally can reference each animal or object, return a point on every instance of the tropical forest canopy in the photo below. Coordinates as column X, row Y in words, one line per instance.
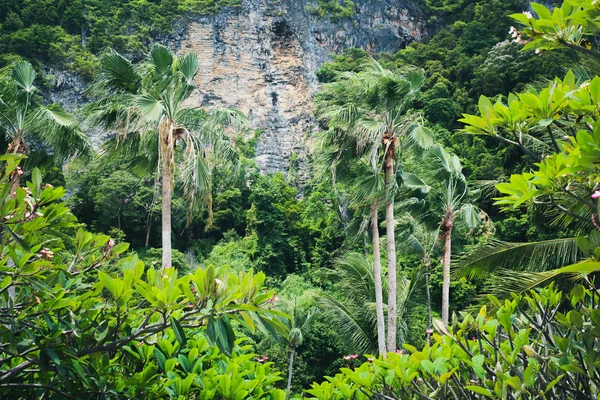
column 446, row 246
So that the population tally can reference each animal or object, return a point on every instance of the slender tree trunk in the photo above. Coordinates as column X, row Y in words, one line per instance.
column 427, row 264
column 289, row 384
column 446, row 265
column 391, row 250
column 167, row 180
column 148, row 228
column 377, row 278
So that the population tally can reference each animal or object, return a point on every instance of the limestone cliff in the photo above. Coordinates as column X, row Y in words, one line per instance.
column 263, row 56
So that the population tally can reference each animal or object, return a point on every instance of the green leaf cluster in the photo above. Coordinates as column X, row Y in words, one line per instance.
column 530, row 346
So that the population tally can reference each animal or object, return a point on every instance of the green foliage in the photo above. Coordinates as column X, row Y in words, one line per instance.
column 570, row 25
column 350, row 308
column 152, row 256
column 26, row 120
column 274, row 220
column 69, row 33
column 352, row 59
column 336, row 10
column 75, row 313
column 497, row 355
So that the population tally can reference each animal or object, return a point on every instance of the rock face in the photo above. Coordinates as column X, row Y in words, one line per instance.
column 262, row 58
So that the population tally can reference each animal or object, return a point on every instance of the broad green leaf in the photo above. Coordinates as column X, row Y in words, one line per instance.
column 178, row 330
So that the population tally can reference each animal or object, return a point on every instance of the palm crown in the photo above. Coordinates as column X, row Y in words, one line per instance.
column 23, row 118
column 148, row 107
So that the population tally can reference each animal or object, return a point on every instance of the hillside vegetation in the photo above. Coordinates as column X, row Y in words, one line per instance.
column 445, row 246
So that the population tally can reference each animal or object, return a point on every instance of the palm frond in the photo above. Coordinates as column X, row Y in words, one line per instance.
column 189, row 67
column 60, row 131
column 344, row 321
column 422, row 136
column 533, row 256
column 162, row 59
column 509, row 282
column 369, row 186
column 196, row 179
column 118, row 74
column 23, row 74
column 149, row 106
column 470, row 214
column 412, row 181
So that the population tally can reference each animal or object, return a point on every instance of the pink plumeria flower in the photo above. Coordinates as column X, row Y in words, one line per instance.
column 400, row 351
column 429, row 331
column 527, row 14
column 596, row 194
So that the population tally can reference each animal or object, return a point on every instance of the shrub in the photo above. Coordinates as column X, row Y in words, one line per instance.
column 535, row 346
column 78, row 321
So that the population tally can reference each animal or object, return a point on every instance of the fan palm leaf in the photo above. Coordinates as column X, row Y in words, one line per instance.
column 23, row 118
column 147, row 108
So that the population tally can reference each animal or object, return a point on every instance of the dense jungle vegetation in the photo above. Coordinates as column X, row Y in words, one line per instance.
column 446, row 245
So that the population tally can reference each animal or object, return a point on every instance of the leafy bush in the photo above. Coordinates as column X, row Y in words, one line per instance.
column 536, row 346
column 78, row 321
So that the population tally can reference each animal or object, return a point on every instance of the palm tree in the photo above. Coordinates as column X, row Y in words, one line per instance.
column 23, row 118
column 299, row 323
column 451, row 203
column 148, row 108
column 337, row 155
column 370, row 107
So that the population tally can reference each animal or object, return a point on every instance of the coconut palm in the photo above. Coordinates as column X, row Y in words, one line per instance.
column 369, row 112
column 148, row 107
column 23, row 119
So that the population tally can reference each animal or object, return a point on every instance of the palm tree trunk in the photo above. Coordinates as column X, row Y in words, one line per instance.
column 167, row 180
column 427, row 264
column 148, row 228
column 289, row 384
column 446, row 265
column 391, row 250
column 377, row 278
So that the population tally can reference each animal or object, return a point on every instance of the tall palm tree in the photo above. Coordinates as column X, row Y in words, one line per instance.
column 23, row 118
column 148, row 108
column 338, row 156
column 451, row 203
column 371, row 107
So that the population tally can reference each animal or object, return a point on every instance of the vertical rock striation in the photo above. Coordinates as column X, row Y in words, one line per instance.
column 263, row 57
